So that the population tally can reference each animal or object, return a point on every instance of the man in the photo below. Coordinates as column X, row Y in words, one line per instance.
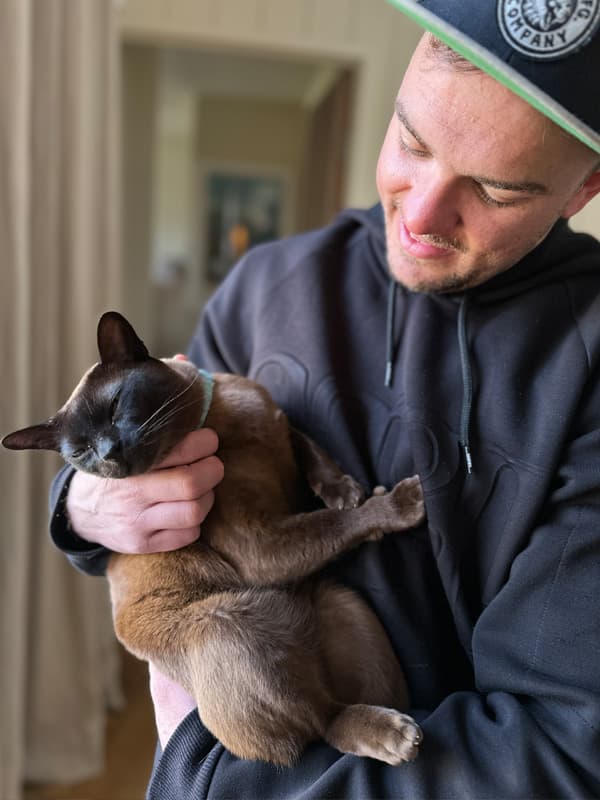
column 453, row 331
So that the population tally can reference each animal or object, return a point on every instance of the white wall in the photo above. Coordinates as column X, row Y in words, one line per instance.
column 588, row 220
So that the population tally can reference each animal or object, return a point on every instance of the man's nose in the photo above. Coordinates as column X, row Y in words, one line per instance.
column 431, row 206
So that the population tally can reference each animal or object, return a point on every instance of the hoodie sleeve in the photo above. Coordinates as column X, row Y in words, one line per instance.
column 88, row 558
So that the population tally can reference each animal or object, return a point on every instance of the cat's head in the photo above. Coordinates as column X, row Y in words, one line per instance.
column 125, row 414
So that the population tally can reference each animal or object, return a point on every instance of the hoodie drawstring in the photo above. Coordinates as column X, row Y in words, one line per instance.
column 389, row 333
column 465, row 365
column 467, row 381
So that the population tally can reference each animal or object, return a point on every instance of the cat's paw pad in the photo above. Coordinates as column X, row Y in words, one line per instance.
column 400, row 741
column 395, row 737
column 407, row 497
column 376, row 732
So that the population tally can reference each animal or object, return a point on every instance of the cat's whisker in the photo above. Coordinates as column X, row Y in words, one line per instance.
column 158, row 411
column 161, row 421
column 167, row 402
column 167, row 413
column 145, row 442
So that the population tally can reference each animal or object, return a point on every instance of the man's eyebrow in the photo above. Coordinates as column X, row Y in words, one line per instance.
column 528, row 187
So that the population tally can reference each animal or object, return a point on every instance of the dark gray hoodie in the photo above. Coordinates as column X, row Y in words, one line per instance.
column 492, row 605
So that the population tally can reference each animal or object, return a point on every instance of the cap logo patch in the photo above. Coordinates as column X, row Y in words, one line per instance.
column 548, row 29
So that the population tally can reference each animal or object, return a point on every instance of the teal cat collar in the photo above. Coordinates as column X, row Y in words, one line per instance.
column 208, row 384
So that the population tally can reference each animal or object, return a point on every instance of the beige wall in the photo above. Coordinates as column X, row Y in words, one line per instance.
column 139, row 108
column 254, row 131
column 368, row 34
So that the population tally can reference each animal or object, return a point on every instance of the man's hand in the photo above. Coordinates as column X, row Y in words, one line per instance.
column 171, row 704
column 151, row 513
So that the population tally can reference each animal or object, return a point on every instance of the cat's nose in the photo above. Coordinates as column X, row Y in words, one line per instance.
column 107, row 448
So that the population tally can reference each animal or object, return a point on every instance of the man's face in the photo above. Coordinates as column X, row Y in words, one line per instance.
column 470, row 176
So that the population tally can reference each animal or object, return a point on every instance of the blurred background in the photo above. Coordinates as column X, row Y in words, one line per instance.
column 144, row 146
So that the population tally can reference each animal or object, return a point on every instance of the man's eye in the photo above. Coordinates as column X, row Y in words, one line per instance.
column 411, row 146
column 409, row 143
column 490, row 200
column 414, row 150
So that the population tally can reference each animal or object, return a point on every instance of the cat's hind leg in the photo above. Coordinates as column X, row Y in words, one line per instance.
column 257, row 674
column 365, row 678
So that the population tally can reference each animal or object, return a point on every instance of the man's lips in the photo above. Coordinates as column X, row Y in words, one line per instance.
column 419, row 247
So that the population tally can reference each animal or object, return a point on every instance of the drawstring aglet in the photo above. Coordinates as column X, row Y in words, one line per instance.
column 388, row 374
column 468, row 459
column 389, row 333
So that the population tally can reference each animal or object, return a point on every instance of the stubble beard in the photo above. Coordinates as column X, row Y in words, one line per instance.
column 445, row 283
column 455, row 282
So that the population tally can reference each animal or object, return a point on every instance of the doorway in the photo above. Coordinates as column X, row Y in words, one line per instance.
column 221, row 149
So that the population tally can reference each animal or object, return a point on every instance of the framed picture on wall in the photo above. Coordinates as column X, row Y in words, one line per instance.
column 241, row 205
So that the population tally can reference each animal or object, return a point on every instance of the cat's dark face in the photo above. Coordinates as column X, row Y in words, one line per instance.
column 124, row 420
column 125, row 415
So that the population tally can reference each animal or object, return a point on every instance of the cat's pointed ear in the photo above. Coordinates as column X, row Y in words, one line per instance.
column 44, row 436
column 117, row 341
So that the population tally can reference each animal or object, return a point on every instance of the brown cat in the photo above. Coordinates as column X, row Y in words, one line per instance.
column 274, row 655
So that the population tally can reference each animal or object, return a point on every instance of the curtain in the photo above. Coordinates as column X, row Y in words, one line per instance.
column 58, row 271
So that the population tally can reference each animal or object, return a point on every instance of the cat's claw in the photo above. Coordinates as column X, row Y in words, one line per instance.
column 342, row 494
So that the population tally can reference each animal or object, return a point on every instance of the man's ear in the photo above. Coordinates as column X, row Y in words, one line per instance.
column 584, row 194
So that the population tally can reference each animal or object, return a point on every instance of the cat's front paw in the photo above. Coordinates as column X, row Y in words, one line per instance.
column 408, row 503
column 343, row 493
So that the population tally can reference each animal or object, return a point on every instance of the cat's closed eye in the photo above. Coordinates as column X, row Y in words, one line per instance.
column 114, row 406
column 78, row 451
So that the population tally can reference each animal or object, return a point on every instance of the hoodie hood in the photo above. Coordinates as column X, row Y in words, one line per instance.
column 561, row 255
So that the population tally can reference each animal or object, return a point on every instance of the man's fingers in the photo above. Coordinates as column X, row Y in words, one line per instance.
column 177, row 516
column 171, row 526
column 193, row 447
column 177, row 484
column 165, row 541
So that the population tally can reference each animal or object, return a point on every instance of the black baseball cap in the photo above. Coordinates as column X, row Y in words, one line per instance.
column 546, row 51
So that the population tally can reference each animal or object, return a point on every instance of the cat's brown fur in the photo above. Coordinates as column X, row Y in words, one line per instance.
column 274, row 655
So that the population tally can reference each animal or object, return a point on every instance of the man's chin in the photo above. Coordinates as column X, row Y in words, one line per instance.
column 421, row 280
